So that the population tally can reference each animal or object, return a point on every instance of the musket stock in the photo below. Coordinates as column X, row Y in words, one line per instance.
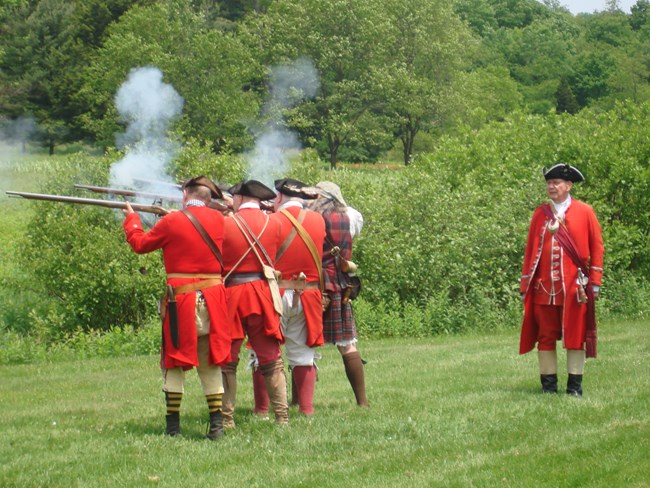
column 154, row 209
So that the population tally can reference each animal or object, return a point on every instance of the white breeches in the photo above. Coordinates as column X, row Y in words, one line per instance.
column 294, row 328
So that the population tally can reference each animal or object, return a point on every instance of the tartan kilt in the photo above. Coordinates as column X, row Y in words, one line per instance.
column 338, row 321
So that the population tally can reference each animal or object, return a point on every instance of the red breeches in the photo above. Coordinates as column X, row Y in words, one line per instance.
column 266, row 348
column 549, row 326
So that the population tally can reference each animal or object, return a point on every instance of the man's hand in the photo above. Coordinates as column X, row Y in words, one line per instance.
column 128, row 210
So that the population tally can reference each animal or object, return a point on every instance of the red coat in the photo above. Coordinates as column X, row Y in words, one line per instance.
column 253, row 298
column 297, row 259
column 584, row 228
column 185, row 251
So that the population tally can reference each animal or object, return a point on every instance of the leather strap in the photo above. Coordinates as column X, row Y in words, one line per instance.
column 204, row 276
column 287, row 242
column 309, row 242
column 298, row 285
column 208, row 240
column 565, row 240
column 252, row 238
column 197, row 285
column 241, row 278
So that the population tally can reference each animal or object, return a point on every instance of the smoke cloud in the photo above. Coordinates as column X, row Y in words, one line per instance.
column 288, row 85
column 148, row 107
column 14, row 135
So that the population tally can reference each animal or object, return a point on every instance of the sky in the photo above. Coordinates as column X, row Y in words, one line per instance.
column 589, row 6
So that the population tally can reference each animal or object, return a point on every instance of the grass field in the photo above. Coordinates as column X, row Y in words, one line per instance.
column 448, row 411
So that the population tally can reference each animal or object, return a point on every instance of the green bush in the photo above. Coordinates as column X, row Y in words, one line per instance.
column 445, row 236
column 18, row 348
column 442, row 244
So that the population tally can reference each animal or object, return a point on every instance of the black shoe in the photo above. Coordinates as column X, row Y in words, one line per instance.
column 215, row 429
column 574, row 385
column 549, row 383
column 173, row 424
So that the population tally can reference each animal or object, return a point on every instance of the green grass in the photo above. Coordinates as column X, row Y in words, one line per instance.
column 447, row 411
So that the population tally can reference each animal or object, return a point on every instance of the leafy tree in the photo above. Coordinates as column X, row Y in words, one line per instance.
column 211, row 69
column 490, row 94
column 46, row 44
column 639, row 14
column 628, row 78
column 518, row 13
column 430, row 49
column 539, row 55
column 609, row 28
column 565, row 99
column 346, row 42
column 236, row 9
column 590, row 77
column 478, row 14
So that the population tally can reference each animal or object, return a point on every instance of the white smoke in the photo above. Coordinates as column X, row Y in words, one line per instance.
column 14, row 136
column 147, row 106
column 289, row 85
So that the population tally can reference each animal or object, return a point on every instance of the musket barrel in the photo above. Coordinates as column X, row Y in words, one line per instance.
column 129, row 193
column 154, row 209
column 154, row 183
column 214, row 204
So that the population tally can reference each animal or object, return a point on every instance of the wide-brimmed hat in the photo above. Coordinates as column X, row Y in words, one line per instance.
column 332, row 191
column 563, row 171
column 252, row 188
column 295, row 188
column 215, row 192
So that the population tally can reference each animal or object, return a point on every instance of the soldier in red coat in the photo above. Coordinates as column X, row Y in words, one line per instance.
column 251, row 243
column 299, row 259
column 561, row 277
column 196, row 332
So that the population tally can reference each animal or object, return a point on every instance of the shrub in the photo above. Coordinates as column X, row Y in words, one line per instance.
column 442, row 243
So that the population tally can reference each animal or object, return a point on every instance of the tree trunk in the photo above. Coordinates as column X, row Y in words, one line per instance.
column 407, row 146
column 333, row 143
column 333, row 153
column 408, row 139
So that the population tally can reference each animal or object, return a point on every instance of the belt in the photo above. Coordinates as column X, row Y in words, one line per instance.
column 205, row 276
column 298, row 285
column 241, row 278
column 209, row 281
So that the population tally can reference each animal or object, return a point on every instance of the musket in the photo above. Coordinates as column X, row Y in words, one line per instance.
column 214, row 204
column 155, row 183
column 129, row 193
column 154, row 209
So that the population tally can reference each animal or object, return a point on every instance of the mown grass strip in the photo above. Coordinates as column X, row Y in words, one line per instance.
column 447, row 411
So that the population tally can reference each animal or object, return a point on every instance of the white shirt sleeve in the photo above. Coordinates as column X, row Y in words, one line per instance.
column 356, row 221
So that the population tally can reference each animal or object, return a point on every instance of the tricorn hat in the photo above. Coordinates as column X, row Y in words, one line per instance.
column 295, row 188
column 254, row 189
column 215, row 192
column 563, row 171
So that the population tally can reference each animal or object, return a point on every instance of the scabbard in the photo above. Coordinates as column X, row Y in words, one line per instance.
column 172, row 313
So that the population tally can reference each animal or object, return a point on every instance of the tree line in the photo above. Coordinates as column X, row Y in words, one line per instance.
column 393, row 76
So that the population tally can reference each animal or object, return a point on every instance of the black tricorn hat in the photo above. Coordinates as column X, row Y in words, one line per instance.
column 563, row 171
column 254, row 189
column 215, row 192
column 295, row 188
